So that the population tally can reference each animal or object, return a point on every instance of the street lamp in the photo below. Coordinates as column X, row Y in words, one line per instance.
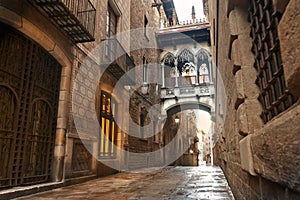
column 145, row 88
column 176, row 119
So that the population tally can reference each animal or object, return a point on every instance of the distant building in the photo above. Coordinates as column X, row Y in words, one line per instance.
column 187, row 80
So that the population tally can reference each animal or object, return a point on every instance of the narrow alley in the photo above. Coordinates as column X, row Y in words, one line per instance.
column 150, row 99
column 176, row 183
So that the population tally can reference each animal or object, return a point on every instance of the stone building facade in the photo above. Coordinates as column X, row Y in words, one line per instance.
column 145, row 23
column 257, row 112
column 186, row 84
column 55, row 103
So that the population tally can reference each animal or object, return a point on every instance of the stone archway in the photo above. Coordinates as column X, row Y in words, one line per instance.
column 53, row 47
column 187, row 106
column 33, row 75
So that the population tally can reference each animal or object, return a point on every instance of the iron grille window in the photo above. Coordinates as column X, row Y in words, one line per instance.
column 273, row 96
column 111, row 30
column 108, row 138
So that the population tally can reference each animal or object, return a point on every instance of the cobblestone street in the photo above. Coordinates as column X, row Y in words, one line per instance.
column 186, row 183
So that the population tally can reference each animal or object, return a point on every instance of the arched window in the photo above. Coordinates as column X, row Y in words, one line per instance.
column 143, row 115
column 169, row 60
column 169, row 70
column 203, row 66
column 189, row 73
column 203, row 74
column 185, row 56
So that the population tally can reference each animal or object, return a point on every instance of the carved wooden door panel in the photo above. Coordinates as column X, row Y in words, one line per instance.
column 29, row 91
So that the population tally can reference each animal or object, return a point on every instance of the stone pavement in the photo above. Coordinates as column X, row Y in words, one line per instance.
column 172, row 183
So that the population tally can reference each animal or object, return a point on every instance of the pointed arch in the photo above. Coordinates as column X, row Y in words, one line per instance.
column 185, row 56
column 204, row 66
column 169, row 60
column 169, row 66
column 202, row 56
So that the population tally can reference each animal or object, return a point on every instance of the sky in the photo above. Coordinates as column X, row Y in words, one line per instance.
column 184, row 9
column 203, row 120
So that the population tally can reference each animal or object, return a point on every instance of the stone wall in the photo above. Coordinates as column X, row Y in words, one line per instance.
column 106, row 82
column 26, row 18
column 261, row 161
column 142, row 38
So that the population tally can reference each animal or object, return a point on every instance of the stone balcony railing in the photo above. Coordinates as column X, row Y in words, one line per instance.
column 185, row 23
column 187, row 91
column 76, row 18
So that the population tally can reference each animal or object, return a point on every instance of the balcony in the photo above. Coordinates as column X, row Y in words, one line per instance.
column 202, row 90
column 76, row 18
column 118, row 61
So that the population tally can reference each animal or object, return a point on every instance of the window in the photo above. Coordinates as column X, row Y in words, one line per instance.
column 145, row 73
column 111, row 29
column 142, row 123
column 184, row 57
column 169, row 64
column 214, row 33
column 270, row 78
column 145, row 26
column 189, row 72
column 108, row 137
column 203, row 74
column 203, row 67
column 143, row 115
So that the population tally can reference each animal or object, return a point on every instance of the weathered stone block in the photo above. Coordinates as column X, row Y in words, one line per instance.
column 66, row 70
column 248, row 116
column 276, row 149
column 240, row 85
column 241, row 54
column 10, row 17
column 251, row 90
column 65, row 83
column 61, row 56
column 245, row 42
column 242, row 120
column 64, row 95
column 36, row 34
column 236, row 53
column 238, row 22
column 246, row 155
column 61, row 123
column 62, row 108
column 289, row 35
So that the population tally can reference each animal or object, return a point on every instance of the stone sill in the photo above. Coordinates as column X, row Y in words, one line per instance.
column 27, row 190
column 276, row 149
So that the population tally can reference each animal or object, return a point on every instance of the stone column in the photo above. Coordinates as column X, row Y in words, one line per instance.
column 163, row 74
column 197, row 71
column 210, row 70
column 60, row 139
column 176, row 72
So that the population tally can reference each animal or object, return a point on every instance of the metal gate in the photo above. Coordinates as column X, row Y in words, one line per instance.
column 29, row 90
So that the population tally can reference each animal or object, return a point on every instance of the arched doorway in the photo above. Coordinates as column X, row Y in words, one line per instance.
column 29, row 91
